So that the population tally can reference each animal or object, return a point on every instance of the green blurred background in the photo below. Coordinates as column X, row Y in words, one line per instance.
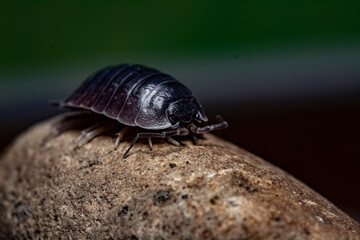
column 285, row 74
column 39, row 34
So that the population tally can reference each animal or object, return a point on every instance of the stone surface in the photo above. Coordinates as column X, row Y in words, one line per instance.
column 213, row 190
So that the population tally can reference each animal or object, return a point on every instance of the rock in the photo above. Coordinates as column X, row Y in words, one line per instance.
column 212, row 190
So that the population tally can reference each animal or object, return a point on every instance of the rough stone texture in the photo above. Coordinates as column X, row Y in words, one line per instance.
column 213, row 190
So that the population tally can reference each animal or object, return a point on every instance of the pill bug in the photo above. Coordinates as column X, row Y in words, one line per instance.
column 128, row 96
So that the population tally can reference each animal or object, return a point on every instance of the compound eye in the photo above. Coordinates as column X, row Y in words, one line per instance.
column 173, row 119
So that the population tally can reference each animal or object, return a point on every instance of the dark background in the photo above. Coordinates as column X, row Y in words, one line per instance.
column 285, row 74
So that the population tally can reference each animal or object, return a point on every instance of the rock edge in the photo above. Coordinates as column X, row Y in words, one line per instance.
column 212, row 190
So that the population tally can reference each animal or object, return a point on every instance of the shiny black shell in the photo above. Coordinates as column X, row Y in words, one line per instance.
column 134, row 95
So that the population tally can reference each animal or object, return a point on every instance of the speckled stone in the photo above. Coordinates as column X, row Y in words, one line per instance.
column 212, row 190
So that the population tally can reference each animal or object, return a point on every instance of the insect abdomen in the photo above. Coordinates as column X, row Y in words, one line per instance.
column 120, row 96
column 137, row 95
column 117, row 92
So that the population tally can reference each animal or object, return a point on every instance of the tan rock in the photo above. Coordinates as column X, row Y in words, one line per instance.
column 213, row 190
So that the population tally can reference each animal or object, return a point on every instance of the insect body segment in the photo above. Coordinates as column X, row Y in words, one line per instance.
column 137, row 96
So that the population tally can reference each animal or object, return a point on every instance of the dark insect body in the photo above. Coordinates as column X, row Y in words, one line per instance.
column 135, row 96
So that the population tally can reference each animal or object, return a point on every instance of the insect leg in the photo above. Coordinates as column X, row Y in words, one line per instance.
column 86, row 135
column 68, row 121
column 150, row 142
column 120, row 135
column 217, row 126
column 176, row 132
column 194, row 138
column 94, row 131
column 173, row 141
